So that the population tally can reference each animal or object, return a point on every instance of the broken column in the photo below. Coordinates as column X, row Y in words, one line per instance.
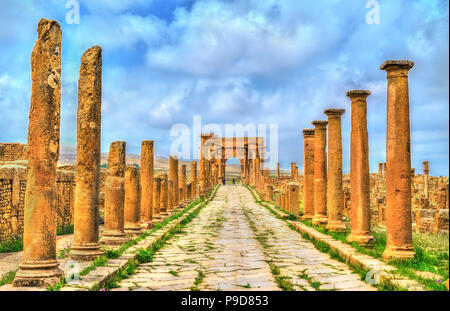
column 320, row 173
column 132, row 214
column 147, row 152
column 114, row 233
column 308, row 181
column 86, row 245
column 164, row 196
column 269, row 193
column 359, row 170
column 294, row 203
column 38, row 266
column 335, row 192
column 278, row 169
column 183, row 181
column 426, row 170
column 398, row 162
column 380, row 169
column 170, row 196
column 173, row 175
column 194, row 178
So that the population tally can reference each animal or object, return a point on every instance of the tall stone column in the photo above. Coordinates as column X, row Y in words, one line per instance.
column 164, row 196
column 380, row 169
column 86, row 244
column 246, row 164
column 132, row 216
column 384, row 169
column 278, row 169
column 426, row 170
column 170, row 196
column 38, row 266
column 114, row 233
column 156, row 198
column 293, row 166
column 308, row 180
column 183, row 181
column 320, row 173
column 335, row 192
column 194, row 178
column 147, row 158
column 359, row 170
column 398, row 162
column 173, row 175
column 294, row 203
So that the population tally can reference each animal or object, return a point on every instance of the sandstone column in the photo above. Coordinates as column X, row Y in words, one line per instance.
column 132, row 216
column 320, row 173
column 173, row 173
column 359, row 170
column 147, row 153
column 426, row 170
column 86, row 244
column 194, row 178
column 294, row 203
column 278, row 169
column 39, row 266
column 164, row 196
column 380, row 169
column 335, row 192
column 183, row 181
column 308, row 181
column 170, row 194
column 398, row 162
column 293, row 166
column 156, row 198
column 114, row 233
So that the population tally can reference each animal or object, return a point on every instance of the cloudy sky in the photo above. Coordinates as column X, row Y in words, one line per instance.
column 242, row 61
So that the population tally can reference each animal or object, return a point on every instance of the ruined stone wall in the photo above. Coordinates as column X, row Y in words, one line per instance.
column 12, row 199
column 12, row 152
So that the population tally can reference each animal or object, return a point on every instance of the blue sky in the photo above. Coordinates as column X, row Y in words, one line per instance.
column 247, row 61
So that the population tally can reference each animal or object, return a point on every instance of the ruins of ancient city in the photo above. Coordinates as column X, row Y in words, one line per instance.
column 114, row 220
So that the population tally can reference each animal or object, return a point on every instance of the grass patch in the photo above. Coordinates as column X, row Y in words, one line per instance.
column 198, row 280
column 14, row 244
column 7, row 278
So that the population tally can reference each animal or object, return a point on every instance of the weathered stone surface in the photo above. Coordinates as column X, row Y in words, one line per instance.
column 147, row 163
column 86, row 244
column 132, row 214
column 308, row 197
column 320, row 173
column 38, row 266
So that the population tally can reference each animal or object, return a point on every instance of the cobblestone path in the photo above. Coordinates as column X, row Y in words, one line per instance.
column 236, row 244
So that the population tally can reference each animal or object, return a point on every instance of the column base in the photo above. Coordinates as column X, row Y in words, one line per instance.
column 38, row 274
column 320, row 220
column 307, row 217
column 113, row 238
column 336, row 226
column 85, row 252
column 398, row 253
column 146, row 224
column 363, row 239
column 133, row 231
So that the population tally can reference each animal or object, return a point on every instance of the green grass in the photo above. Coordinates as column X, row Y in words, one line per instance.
column 7, row 278
column 198, row 280
column 65, row 229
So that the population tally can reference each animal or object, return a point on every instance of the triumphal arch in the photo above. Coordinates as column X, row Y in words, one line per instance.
column 215, row 151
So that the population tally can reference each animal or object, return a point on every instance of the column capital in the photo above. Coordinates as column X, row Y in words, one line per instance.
column 334, row 112
column 358, row 94
column 319, row 124
column 397, row 65
column 309, row 133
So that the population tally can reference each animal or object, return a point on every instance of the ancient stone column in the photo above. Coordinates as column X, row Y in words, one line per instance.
column 359, row 170
column 183, row 181
column 308, row 181
column 283, row 201
column 164, row 196
column 380, row 169
column 294, row 203
column 170, row 196
column 269, row 193
column 147, row 153
column 278, row 169
column 132, row 201
column 114, row 233
column 335, row 192
column 384, row 169
column 86, row 244
column 398, row 162
column 293, row 166
column 320, row 173
column 194, row 177
column 426, row 170
column 173, row 175
column 39, row 266
column 156, row 198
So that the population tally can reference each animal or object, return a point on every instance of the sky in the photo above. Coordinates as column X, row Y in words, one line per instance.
column 237, row 62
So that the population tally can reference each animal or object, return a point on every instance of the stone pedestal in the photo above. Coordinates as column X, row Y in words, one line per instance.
column 398, row 162
column 38, row 266
column 114, row 233
column 320, row 173
column 335, row 192
column 86, row 245
column 359, row 170
column 132, row 201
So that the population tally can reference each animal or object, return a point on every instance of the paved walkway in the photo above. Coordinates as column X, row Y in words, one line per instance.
column 235, row 244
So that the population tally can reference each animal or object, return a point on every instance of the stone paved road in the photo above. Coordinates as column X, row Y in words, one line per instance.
column 235, row 244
